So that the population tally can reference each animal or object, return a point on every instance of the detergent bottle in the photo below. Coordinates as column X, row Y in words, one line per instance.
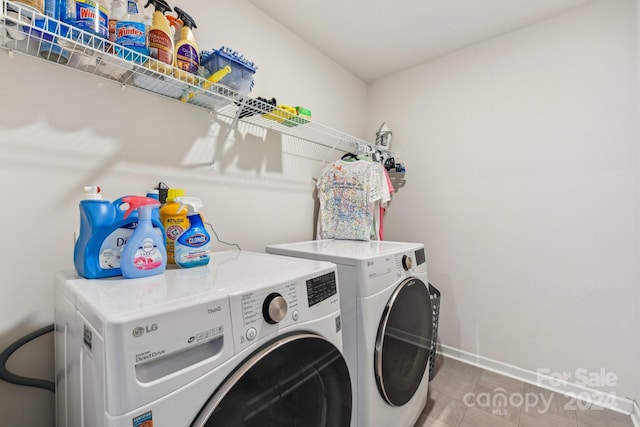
column 104, row 231
column 187, row 56
column 131, row 32
column 174, row 220
column 144, row 253
column 193, row 246
column 161, row 44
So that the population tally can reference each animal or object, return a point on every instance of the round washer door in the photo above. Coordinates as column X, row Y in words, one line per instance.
column 403, row 342
column 296, row 380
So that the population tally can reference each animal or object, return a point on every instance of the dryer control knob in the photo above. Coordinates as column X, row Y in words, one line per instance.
column 407, row 262
column 274, row 308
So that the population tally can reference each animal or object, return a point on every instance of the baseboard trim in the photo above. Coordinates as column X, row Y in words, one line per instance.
column 635, row 415
column 582, row 393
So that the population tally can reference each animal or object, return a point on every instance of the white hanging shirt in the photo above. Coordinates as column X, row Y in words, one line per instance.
column 348, row 192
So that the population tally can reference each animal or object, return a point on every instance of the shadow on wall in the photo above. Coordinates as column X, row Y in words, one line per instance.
column 251, row 150
column 65, row 132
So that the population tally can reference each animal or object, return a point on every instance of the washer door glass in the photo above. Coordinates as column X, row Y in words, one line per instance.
column 403, row 342
column 296, row 380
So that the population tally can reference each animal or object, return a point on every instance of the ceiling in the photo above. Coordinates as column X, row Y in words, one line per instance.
column 376, row 38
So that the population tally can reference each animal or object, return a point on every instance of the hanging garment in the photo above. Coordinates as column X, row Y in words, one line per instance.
column 348, row 192
column 383, row 203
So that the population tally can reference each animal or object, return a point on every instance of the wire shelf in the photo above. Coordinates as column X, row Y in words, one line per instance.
column 24, row 31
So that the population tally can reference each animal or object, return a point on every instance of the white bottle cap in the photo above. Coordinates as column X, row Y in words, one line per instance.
column 92, row 193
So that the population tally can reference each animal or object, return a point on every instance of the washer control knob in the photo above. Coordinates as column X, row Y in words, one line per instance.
column 251, row 334
column 407, row 262
column 274, row 308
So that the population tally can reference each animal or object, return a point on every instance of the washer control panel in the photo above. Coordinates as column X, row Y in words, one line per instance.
column 261, row 312
column 321, row 287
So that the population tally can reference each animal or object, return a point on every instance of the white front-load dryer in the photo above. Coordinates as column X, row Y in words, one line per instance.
column 387, row 324
column 249, row 340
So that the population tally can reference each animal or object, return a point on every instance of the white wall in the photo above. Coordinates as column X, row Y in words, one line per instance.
column 522, row 183
column 61, row 130
column 637, row 394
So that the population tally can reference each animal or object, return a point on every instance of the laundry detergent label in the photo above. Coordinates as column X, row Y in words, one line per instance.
column 148, row 256
column 144, row 420
column 112, row 246
column 92, row 17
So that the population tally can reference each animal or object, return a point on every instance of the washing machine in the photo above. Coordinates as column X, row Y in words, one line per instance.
column 249, row 340
column 387, row 324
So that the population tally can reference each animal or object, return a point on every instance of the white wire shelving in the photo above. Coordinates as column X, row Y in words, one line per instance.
column 26, row 32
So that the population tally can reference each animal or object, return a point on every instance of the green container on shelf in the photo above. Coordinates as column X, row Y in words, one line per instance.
column 303, row 116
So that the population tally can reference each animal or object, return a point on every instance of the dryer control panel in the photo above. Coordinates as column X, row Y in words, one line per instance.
column 379, row 272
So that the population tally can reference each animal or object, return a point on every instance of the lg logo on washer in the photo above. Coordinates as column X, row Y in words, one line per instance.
column 140, row 330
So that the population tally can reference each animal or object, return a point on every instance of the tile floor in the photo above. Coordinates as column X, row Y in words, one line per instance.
column 462, row 395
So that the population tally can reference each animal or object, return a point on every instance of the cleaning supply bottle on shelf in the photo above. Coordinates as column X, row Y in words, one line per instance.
column 32, row 5
column 144, row 253
column 174, row 219
column 193, row 246
column 176, row 26
column 161, row 44
column 87, row 15
column 117, row 12
column 104, row 230
column 131, row 32
column 186, row 56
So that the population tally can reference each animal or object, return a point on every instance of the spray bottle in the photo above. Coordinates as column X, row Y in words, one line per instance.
column 131, row 32
column 161, row 44
column 144, row 253
column 193, row 246
column 187, row 57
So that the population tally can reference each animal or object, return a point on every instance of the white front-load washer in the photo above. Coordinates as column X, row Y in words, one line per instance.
column 249, row 340
column 387, row 321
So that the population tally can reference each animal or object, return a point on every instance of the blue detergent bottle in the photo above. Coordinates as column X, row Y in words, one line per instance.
column 193, row 246
column 103, row 233
column 144, row 254
column 104, row 230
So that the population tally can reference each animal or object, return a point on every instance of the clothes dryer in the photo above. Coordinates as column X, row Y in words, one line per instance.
column 387, row 320
column 249, row 340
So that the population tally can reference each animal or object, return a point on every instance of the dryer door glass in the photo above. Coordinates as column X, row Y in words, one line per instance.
column 403, row 342
column 296, row 380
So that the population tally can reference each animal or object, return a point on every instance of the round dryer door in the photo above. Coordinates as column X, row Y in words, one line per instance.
column 296, row 380
column 403, row 342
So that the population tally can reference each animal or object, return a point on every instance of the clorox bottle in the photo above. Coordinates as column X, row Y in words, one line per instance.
column 193, row 246
column 144, row 254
